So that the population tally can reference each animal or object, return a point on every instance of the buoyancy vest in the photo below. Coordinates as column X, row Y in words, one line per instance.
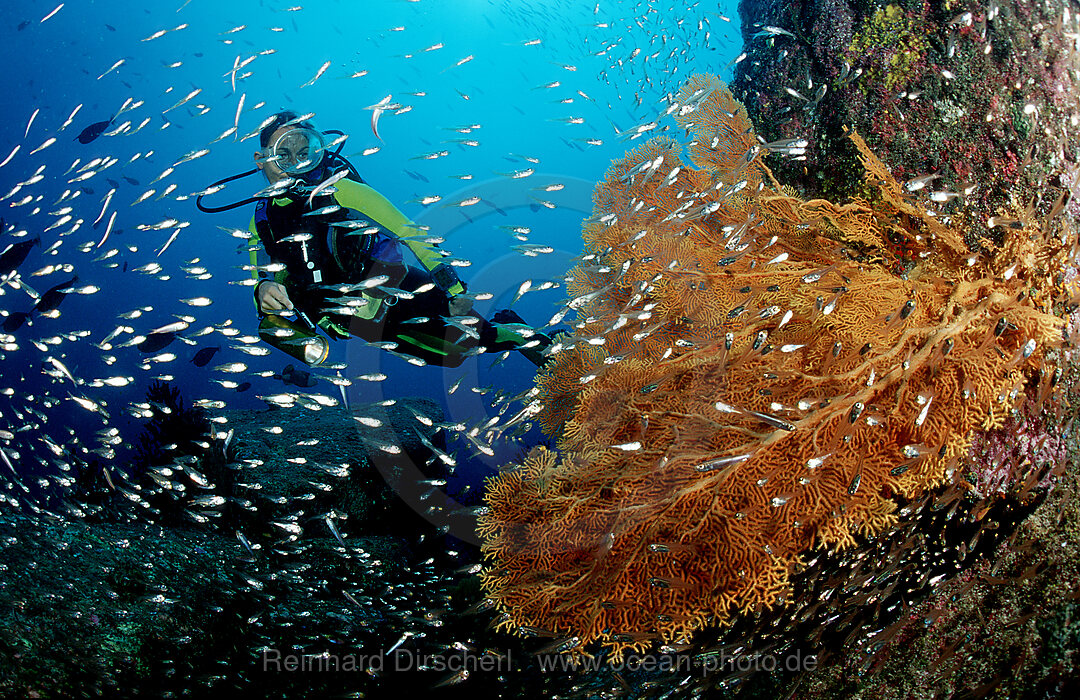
column 306, row 245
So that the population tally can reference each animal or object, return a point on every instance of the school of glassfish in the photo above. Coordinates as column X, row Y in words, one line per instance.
column 642, row 324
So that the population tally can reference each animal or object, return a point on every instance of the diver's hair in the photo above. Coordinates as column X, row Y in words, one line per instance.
column 280, row 119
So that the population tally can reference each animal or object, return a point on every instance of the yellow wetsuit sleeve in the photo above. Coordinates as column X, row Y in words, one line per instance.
column 254, row 248
column 372, row 205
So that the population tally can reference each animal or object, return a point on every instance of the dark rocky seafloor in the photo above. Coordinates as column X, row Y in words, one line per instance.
column 965, row 596
column 176, row 593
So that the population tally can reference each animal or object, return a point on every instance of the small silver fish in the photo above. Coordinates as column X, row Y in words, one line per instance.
column 326, row 184
column 324, row 210
column 318, row 74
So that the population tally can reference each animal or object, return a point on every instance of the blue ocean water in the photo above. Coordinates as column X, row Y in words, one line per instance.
column 538, row 88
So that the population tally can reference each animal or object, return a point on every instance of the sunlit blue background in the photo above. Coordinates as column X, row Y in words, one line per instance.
column 613, row 64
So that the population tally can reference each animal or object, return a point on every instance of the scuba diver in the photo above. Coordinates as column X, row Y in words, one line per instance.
column 342, row 259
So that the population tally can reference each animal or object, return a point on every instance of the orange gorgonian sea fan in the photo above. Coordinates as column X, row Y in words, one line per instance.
column 748, row 379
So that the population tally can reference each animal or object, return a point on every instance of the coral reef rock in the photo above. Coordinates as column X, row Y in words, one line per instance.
column 983, row 95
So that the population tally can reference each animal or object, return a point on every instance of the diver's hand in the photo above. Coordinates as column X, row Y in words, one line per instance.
column 460, row 306
column 272, row 297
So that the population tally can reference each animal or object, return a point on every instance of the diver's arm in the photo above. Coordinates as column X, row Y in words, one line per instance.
column 255, row 251
column 270, row 293
column 373, row 205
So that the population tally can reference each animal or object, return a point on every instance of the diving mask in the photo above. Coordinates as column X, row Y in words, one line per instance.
column 297, row 151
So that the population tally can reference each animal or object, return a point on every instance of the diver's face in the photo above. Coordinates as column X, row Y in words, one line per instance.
column 288, row 146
